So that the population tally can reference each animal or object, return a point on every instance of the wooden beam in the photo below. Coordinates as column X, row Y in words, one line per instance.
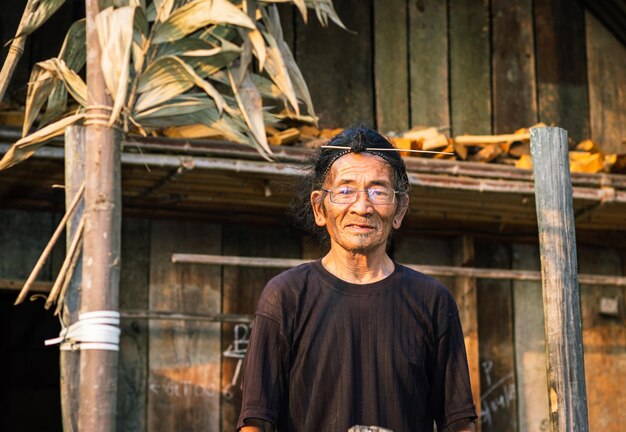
column 561, row 297
column 432, row 270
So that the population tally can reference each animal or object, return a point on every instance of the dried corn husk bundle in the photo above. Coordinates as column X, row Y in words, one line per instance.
column 178, row 66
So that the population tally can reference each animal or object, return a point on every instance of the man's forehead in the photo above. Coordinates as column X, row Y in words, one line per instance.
column 358, row 165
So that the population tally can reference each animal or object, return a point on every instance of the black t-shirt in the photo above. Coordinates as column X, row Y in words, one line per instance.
column 325, row 355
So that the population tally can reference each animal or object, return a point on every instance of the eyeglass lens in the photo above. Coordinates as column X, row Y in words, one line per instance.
column 346, row 195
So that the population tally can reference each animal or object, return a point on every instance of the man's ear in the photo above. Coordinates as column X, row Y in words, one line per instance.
column 317, row 203
column 403, row 207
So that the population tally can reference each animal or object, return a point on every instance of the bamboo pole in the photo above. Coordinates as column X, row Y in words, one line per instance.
column 48, row 249
column 15, row 51
column 69, row 301
column 101, row 241
column 561, row 299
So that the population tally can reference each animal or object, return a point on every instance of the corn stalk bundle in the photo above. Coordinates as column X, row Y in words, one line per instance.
column 222, row 64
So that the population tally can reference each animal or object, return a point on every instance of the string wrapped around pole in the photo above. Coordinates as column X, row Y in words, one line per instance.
column 97, row 330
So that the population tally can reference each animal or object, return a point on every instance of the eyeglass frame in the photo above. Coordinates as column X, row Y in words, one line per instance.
column 395, row 192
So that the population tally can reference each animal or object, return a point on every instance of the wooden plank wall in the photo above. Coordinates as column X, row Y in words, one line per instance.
column 530, row 347
column 604, row 341
column 496, row 341
column 184, row 356
column 606, row 65
column 465, row 66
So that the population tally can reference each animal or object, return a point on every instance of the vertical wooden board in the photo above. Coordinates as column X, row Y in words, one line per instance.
column 28, row 233
column 133, row 356
column 428, row 63
column 391, row 69
column 530, row 347
column 242, row 287
column 184, row 356
column 470, row 67
column 606, row 68
column 411, row 249
column 495, row 335
column 561, row 72
column 464, row 290
column 513, row 65
column 337, row 65
column 604, row 341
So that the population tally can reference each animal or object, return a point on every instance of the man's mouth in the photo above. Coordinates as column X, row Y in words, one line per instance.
column 360, row 227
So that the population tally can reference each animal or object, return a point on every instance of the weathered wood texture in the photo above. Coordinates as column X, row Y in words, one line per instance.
column 464, row 291
column 337, row 65
column 561, row 297
column 132, row 376
column 470, row 67
column 606, row 68
column 391, row 72
column 70, row 360
column 241, row 290
column 513, row 65
column 561, row 71
column 496, row 348
column 604, row 341
column 530, row 347
column 184, row 356
column 428, row 63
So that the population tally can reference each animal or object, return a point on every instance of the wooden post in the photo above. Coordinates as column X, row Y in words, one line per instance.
column 70, row 360
column 561, row 300
column 465, row 293
column 101, row 244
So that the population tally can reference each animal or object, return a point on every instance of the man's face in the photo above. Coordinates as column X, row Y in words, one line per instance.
column 360, row 227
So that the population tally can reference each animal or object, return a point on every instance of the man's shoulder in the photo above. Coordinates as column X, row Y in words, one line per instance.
column 282, row 291
column 291, row 279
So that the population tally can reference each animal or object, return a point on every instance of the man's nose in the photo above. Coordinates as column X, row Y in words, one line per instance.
column 362, row 203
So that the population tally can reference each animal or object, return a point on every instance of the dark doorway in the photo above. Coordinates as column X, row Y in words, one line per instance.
column 29, row 394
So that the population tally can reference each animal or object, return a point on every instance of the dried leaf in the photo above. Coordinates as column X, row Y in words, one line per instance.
column 272, row 22
column 25, row 147
column 251, row 106
column 277, row 70
column 162, row 9
column 42, row 11
column 167, row 78
column 40, row 86
column 197, row 14
column 73, row 82
column 115, row 34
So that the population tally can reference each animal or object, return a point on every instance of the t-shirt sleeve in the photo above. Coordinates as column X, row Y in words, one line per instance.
column 451, row 390
column 264, row 381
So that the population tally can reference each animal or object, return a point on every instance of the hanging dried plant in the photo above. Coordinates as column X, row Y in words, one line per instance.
column 174, row 63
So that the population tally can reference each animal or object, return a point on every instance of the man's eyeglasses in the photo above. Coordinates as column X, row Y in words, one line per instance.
column 348, row 195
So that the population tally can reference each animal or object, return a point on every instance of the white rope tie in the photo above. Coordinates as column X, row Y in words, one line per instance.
column 97, row 330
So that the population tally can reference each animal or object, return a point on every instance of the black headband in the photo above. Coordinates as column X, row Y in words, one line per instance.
column 356, row 149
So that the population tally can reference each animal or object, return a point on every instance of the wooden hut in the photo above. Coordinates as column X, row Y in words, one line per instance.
column 481, row 67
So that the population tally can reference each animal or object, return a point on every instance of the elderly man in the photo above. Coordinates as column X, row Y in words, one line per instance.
column 355, row 338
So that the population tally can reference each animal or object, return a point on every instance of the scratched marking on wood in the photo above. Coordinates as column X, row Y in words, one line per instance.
column 495, row 333
column 184, row 356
